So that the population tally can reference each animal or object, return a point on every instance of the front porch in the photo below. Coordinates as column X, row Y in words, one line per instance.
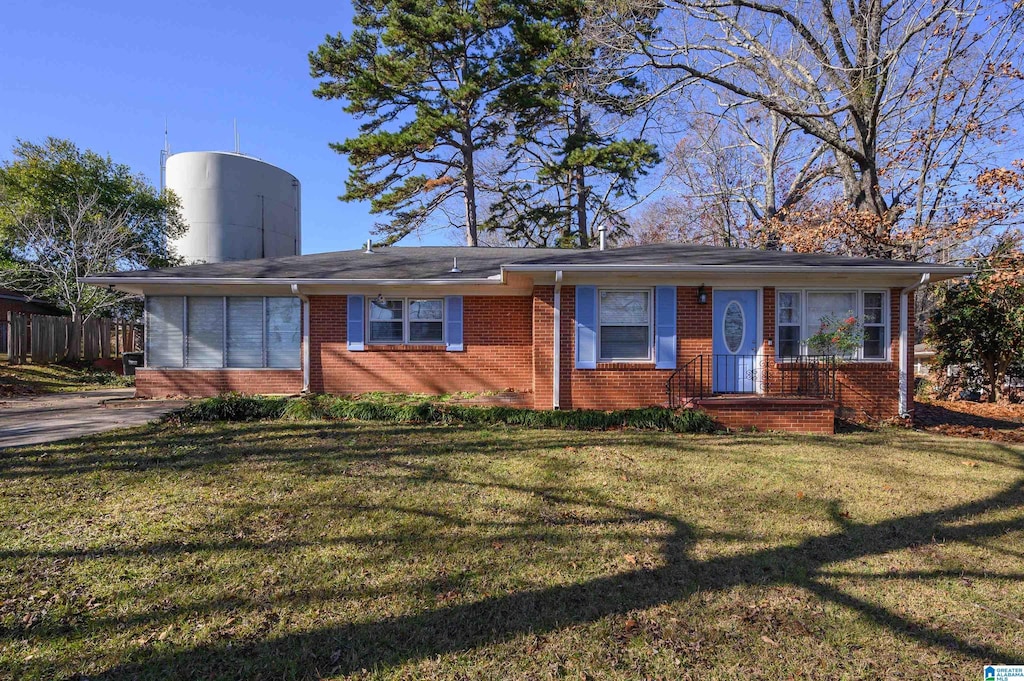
column 798, row 394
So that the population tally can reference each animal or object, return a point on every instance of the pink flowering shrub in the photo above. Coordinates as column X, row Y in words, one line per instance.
column 839, row 337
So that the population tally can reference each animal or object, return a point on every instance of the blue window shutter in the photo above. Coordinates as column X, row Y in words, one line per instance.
column 586, row 327
column 355, row 327
column 665, row 327
column 453, row 323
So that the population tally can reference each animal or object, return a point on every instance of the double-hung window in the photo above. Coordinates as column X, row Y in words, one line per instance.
column 799, row 315
column 788, row 314
column 873, row 320
column 387, row 321
column 412, row 321
column 624, row 329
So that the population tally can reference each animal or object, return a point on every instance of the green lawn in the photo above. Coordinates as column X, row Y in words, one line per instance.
column 30, row 379
column 304, row 550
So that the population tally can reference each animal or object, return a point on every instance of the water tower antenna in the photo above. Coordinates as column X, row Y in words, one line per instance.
column 164, row 153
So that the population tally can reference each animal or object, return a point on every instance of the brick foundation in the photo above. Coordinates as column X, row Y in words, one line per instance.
column 210, row 382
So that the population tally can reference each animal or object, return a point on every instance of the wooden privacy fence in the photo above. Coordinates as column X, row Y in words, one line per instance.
column 44, row 339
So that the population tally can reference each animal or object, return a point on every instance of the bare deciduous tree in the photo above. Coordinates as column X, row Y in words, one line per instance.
column 52, row 254
column 911, row 100
column 744, row 170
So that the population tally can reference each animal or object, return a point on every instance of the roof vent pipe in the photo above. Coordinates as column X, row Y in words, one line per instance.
column 600, row 232
column 369, row 247
column 455, row 266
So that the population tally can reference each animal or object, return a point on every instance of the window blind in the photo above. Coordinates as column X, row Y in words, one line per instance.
column 164, row 327
column 205, row 343
column 245, row 332
column 284, row 338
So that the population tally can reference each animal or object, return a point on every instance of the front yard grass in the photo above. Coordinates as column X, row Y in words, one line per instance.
column 279, row 550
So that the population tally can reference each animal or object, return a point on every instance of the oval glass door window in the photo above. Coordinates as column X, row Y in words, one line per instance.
column 733, row 327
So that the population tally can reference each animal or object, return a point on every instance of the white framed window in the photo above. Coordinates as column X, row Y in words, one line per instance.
column 799, row 312
column 406, row 321
column 873, row 321
column 788, row 314
column 426, row 321
column 625, row 325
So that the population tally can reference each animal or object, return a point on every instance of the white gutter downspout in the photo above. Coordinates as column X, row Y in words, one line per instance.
column 556, row 357
column 904, row 400
column 305, row 336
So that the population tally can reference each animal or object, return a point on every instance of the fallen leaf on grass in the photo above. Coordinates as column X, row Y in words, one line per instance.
column 769, row 641
column 630, row 558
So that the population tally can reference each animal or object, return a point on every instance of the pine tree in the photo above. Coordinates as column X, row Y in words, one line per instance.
column 425, row 76
column 567, row 166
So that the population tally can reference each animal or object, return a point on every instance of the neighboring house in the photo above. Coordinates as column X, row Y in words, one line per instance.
column 15, row 301
column 665, row 324
column 20, row 303
column 924, row 359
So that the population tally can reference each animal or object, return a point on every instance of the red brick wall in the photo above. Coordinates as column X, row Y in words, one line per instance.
column 866, row 390
column 210, row 382
column 543, row 346
column 498, row 355
column 794, row 416
column 610, row 385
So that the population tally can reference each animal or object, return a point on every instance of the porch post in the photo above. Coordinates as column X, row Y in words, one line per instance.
column 904, row 391
column 556, row 351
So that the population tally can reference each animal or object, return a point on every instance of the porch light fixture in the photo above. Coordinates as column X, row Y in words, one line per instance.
column 702, row 295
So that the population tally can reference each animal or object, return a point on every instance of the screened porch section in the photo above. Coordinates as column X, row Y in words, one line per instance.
column 223, row 332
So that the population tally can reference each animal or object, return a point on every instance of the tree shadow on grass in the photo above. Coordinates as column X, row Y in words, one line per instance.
column 393, row 641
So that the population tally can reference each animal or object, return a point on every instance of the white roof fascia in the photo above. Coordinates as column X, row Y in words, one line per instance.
column 793, row 269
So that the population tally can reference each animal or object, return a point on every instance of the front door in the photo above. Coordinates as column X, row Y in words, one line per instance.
column 734, row 341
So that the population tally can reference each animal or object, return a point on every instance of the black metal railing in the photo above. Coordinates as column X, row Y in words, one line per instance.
column 726, row 374
column 810, row 376
column 683, row 381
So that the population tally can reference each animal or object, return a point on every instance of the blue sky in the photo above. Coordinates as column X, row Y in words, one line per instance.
column 106, row 75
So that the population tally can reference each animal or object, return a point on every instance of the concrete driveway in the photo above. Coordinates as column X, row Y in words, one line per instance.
column 49, row 418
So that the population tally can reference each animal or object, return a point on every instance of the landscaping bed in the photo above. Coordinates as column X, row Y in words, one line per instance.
column 1000, row 422
column 397, row 408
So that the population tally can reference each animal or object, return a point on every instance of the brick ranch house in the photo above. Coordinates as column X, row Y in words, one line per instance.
column 669, row 324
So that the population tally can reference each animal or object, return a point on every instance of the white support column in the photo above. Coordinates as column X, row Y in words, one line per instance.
column 556, row 356
column 905, row 341
column 305, row 336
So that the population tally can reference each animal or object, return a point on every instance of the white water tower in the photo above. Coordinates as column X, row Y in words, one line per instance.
column 236, row 207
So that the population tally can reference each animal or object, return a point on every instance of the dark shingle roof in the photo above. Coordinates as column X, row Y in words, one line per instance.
column 435, row 263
